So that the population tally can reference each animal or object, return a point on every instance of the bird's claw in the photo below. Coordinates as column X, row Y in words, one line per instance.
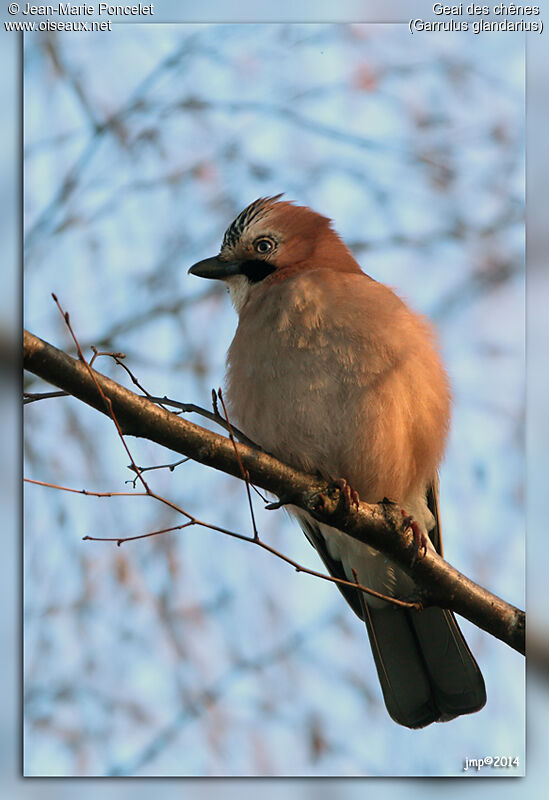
column 350, row 496
column 419, row 538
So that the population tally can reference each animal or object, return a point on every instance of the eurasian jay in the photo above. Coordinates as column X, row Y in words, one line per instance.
column 332, row 373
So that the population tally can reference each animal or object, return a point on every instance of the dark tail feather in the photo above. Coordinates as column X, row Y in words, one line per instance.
column 426, row 670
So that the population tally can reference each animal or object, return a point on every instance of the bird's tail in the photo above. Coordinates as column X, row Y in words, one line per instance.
column 425, row 667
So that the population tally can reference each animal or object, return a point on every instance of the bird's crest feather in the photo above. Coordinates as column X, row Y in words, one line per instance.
column 251, row 213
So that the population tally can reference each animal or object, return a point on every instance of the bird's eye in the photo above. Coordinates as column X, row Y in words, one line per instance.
column 263, row 245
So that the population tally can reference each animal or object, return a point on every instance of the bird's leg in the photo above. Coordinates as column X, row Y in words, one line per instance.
column 350, row 496
column 419, row 538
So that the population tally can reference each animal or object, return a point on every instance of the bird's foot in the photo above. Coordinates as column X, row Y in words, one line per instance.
column 350, row 496
column 419, row 538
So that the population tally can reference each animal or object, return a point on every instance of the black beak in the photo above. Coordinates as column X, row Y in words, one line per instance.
column 215, row 268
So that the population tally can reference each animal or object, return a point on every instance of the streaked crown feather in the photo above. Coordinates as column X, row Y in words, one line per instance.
column 250, row 214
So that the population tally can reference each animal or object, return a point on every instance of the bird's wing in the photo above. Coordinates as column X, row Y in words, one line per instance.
column 435, row 534
column 314, row 534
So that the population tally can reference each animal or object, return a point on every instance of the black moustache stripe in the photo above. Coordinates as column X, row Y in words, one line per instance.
column 256, row 270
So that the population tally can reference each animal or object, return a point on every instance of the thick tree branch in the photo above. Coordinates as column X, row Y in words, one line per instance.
column 380, row 526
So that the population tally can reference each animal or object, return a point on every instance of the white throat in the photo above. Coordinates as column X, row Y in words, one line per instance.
column 239, row 290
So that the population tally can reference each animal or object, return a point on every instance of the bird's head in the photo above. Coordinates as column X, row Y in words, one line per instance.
column 273, row 240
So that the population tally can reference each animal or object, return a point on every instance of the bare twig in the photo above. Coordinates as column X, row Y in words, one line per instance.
column 245, row 473
column 121, row 540
column 170, row 467
column 118, row 358
column 214, row 416
column 85, row 491
column 32, row 397
column 106, row 400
